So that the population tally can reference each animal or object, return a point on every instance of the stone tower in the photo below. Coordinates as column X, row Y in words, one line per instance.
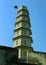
column 23, row 40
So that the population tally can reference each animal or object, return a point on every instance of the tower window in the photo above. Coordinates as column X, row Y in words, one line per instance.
column 24, row 42
column 25, row 53
column 24, row 25
column 18, row 25
column 17, row 32
column 24, row 31
column 24, row 12
column 16, row 42
column 25, row 18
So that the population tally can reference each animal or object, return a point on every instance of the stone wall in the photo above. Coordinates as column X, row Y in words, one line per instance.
column 8, row 55
column 37, row 57
column 2, row 57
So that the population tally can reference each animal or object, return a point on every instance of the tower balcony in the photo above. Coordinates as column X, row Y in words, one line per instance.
column 22, row 41
column 22, row 17
column 22, row 36
column 23, row 10
column 22, row 31
column 22, row 23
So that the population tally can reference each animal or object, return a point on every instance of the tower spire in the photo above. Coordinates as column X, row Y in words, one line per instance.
column 23, row 39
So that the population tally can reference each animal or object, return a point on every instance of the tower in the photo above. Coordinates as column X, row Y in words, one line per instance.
column 23, row 40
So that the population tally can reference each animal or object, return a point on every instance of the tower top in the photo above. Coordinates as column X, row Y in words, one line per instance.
column 22, row 7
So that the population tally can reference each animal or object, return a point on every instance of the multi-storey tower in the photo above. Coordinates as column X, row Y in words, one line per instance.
column 23, row 39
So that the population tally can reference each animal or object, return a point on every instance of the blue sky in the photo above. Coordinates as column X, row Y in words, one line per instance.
column 37, row 10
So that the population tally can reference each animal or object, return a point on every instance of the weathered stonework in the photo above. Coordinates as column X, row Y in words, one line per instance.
column 8, row 55
column 37, row 57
